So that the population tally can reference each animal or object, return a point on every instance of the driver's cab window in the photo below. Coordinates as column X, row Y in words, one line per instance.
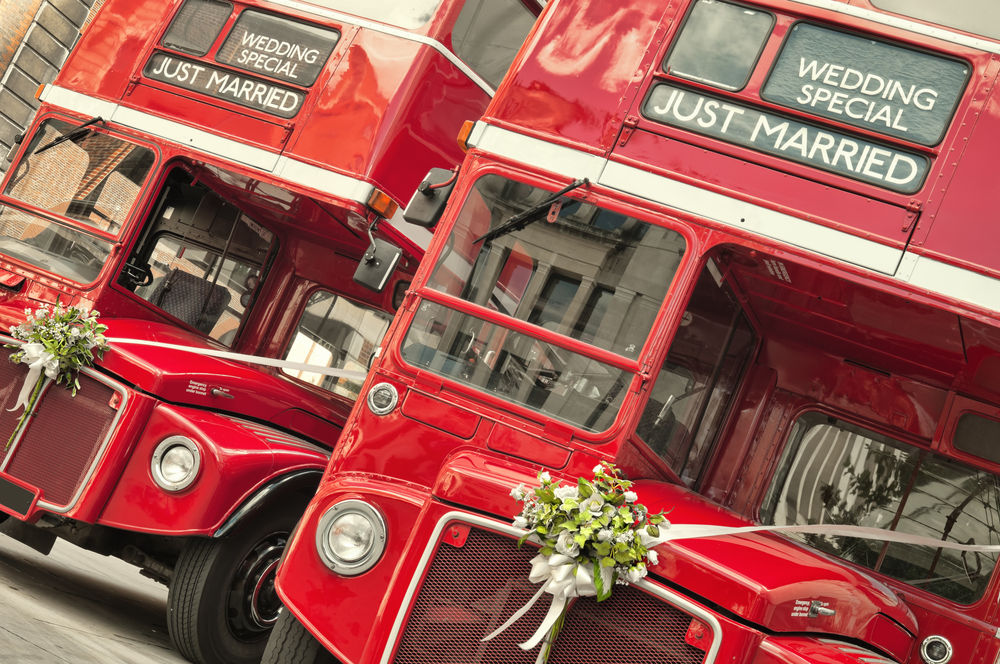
column 200, row 259
column 336, row 333
column 698, row 381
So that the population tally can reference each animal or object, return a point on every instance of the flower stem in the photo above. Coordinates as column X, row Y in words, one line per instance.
column 27, row 410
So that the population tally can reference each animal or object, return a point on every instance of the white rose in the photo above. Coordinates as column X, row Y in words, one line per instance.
column 654, row 559
column 631, row 497
column 594, row 504
column 603, row 535
column 566, row 546
column 636, row 573
column 564, row 492
column 521, row 522
column 517, row 493
column 545, row 476
column 598, row 468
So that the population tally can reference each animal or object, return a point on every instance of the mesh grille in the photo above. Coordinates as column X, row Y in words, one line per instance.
column 11, row 379
column 63, row 439
column 470, row 591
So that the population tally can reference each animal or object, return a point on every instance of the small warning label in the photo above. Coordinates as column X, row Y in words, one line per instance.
column 195, row 387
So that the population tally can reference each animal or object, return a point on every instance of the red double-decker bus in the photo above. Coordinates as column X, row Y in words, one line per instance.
column 209, row 175
column 744, row 251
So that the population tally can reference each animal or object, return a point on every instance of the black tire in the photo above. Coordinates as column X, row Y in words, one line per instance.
column 291, row 643
column 222, row 604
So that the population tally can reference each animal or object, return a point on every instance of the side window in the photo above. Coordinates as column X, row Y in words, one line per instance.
column 197, row 25
column 337, row 333
column 488, row 34
column 834, row 472
column 200, row 259
column 696, row 384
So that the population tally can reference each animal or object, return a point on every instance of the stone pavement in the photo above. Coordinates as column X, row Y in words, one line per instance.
column 76, row 607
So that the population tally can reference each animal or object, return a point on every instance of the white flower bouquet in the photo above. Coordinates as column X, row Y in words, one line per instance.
column 593, row 536
column 57, row 344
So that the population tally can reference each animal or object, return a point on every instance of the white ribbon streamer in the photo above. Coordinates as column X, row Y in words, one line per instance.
column 38, row 360
column 249, row 359
column 564, row 578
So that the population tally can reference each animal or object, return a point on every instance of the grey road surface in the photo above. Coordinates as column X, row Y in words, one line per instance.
column 75, row 607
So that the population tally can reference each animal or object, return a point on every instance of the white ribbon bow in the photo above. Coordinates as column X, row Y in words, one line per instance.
column 563, row 578
column 38, row 360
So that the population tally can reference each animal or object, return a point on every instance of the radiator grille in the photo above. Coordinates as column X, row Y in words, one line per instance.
column 63, row 439
column 11, row 379
column 470, row 591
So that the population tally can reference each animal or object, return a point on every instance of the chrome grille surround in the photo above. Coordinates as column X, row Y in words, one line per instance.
column 395, row 636
column 101, row 447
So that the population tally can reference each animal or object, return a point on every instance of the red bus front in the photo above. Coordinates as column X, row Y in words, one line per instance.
column 209, row 176
column 662, row 253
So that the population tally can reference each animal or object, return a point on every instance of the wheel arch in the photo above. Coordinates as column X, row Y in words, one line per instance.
column 298, row 484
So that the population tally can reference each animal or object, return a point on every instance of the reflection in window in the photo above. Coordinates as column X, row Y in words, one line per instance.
column 62, row 250
column 590, row 273
column 517, row 367
column 488, row 34
column 336, row 333
column 980, row 17
column 407, row 14
column 197, row 25
column 696, row 384
column 87, row 176
column 719, row 44
column 836, row 473
column 978, row 435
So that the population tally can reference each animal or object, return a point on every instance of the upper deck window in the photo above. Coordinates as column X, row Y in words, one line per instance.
column 834, row 472
column 866, row 83
column 335, row 332
column 588, row 273
column 407, row 14
column 276, row 47
column 488, row 34
column 980, row 17
column 197, row 25
column 719, row 44
column 977, row 435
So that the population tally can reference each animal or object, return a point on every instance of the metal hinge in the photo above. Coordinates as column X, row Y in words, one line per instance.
column 631, row 122
column 913, row 209
column 132, row 82
column 289, row 126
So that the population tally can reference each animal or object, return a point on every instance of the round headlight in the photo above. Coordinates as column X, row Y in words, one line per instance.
column 936, row 650
column 382, row 398
column 175, row 463
column 351, row 537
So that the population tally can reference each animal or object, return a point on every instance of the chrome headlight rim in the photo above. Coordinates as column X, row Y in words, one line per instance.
column 393, row 398
column 161, row 450
column 342, row 509
column 935, row 640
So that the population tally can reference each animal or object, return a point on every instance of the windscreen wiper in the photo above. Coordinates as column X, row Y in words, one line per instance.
column 76, row 133
column 522, row 219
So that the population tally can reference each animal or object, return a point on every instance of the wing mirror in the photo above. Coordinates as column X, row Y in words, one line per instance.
column 428, row 202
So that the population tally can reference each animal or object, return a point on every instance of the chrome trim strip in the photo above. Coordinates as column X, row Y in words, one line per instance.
column 292, row 170
column 903, row 24
column 681, row 196
column 951, row 281
column 663, row 593
column 389, row 30
column 753, row 218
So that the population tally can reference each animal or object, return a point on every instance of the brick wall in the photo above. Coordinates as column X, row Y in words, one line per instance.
column 35, row 38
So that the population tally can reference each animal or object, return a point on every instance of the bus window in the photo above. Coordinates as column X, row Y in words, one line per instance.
column 200, row 260
column 335, row 332
column 197, row 25
column 834, row 472
column 693, row 390
column 488, row 34
column 719, row 44
column 82, row 174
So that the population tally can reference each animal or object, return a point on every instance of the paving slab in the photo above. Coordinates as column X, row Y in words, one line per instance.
column 76, row 607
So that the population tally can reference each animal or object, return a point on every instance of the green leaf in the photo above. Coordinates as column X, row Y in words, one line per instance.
column 580, row 539
column 547, row 551
column 602, row 548
column 542, row 530
column 653, row 531
column 657, row 518
column 607, row 562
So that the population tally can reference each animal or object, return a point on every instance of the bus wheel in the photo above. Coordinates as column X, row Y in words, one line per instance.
column 291, row 643
column 222, row 604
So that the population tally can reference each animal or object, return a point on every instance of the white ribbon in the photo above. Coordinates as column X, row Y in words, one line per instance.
column 250, row 359
column 38, row 360
column 564, row 578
